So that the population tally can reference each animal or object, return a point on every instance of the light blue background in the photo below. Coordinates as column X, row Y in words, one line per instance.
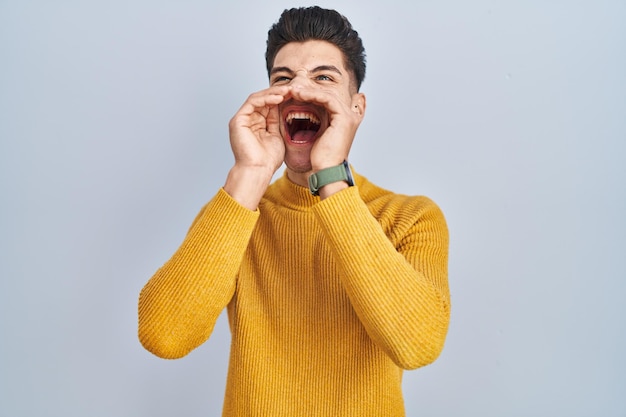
column 511, row 115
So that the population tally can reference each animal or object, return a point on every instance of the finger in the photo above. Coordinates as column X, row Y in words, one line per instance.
column 324, row 98
column 264, row 99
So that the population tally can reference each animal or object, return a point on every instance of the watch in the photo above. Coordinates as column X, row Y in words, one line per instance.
column 327, row 176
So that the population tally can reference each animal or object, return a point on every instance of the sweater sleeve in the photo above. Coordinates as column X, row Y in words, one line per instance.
column 179, row 305
column 398, row 286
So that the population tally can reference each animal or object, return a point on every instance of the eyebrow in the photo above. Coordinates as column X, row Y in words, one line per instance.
column 320, row 68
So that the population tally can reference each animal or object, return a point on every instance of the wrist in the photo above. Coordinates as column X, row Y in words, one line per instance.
column 329, row 163
column 332, row 188
column 328, row 181
column 246, row 185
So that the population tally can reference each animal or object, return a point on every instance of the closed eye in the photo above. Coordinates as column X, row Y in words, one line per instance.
column 281, row 80
column 323, row 78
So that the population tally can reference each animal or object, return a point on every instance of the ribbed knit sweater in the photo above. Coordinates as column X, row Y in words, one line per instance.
column 328, row 301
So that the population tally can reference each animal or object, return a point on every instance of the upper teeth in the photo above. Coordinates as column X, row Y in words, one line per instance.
column 302, row 116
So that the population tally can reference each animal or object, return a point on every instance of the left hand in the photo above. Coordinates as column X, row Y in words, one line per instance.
column 345, row 115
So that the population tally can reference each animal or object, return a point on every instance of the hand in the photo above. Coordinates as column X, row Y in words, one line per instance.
column 345, row 115
column 254, row 130
column 257, row 145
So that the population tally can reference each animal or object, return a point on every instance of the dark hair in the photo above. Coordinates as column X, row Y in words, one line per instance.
column 315, row 23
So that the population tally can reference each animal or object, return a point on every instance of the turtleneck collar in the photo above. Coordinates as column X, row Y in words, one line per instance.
column 286, row 193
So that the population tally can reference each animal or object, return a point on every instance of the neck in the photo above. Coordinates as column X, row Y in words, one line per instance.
column 300, row 178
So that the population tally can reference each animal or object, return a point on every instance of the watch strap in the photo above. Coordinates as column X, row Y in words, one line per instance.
column 327, row 176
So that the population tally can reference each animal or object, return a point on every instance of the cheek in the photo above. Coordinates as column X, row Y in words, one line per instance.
column 340, row 94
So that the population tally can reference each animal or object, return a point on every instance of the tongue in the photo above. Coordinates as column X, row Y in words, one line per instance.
column 303, row 136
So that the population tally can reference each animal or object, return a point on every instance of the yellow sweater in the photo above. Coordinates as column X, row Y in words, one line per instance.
column 327, row 301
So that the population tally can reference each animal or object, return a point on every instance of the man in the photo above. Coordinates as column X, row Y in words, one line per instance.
column 333, row 285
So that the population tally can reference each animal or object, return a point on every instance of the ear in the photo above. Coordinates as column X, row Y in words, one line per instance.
column 358, row 104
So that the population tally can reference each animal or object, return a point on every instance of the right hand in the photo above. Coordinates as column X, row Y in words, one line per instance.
column 257, row 145
column 254, row 130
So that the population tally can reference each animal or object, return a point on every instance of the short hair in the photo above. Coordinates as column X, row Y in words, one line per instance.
column 314, row 23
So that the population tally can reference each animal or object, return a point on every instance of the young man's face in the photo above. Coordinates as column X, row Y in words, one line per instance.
column 317, row 65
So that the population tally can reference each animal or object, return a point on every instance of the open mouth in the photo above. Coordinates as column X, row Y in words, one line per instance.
column 302, row 127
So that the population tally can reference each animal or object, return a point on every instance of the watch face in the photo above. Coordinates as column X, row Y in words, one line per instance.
column 348, row 173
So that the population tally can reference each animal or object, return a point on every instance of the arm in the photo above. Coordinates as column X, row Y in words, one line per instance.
column 400, row 293
column 179, row 305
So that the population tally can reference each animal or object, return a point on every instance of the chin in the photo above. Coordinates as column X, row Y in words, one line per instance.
column 299, row 168
column 298, row 165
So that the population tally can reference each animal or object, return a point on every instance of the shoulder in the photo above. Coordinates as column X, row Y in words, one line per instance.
column 379, row 199
column 397, row 213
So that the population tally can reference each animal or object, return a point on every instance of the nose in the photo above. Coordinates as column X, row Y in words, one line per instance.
column 300, row 78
